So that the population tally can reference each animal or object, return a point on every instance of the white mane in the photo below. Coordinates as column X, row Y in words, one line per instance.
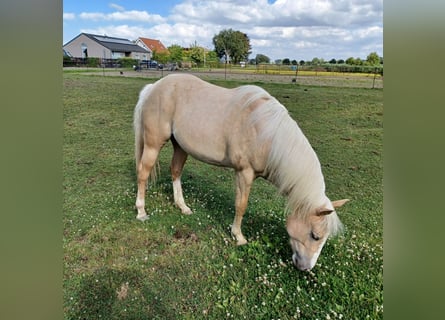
column 292, row 165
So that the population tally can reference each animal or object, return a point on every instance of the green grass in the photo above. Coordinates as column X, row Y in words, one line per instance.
column 187, row 267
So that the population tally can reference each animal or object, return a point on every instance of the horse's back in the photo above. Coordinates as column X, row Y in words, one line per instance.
column 209, row 122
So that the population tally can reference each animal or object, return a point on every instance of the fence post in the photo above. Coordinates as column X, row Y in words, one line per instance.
column 375, row 75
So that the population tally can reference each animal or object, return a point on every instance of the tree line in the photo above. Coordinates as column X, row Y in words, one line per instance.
column 232, row 46
column 373, row 59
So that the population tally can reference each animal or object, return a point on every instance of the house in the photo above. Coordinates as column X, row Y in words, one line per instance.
column 90, row 45
column 151, row 45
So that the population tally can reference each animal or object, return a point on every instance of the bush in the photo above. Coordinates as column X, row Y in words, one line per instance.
column 68, row 61
column 349, row 68
column 127, row 62
column 92, row 62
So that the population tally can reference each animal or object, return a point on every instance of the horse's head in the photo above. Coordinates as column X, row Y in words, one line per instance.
column 309, row 234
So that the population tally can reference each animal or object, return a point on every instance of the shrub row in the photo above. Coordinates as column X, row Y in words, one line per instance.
column 129, row 63
column 343, row 68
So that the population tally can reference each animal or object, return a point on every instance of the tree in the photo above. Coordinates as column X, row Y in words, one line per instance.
column 286, row 61
column 261, row 58
column 317, row 61
column 294, row 62
column 211, row 58
column 350, row 61
column 358, row 61
column 301, row 62
column 175, row 53
column 233, row 45
column 373, row 59
column 161, row 57
column 332, row 61
column 196, row 53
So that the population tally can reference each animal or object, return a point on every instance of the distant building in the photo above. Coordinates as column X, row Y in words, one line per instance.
column 90, row 45
column 151, row 45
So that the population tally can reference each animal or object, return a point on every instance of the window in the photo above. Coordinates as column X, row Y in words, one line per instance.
column 84, row 48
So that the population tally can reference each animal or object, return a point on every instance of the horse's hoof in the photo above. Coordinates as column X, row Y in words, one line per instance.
column 187, row 212
column 142, row 218
column 241, row 242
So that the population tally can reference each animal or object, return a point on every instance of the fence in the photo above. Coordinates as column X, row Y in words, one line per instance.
column 91, row 62
column 340, row 68
column 278, row 69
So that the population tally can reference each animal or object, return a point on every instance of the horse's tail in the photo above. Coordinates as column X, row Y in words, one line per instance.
column 139, row 130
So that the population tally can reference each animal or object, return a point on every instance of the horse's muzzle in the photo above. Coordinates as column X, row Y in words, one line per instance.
column 298, row 263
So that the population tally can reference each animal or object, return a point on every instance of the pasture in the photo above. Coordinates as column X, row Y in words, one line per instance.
column 174, row 266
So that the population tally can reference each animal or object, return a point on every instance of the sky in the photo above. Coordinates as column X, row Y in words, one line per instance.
column 294, row 29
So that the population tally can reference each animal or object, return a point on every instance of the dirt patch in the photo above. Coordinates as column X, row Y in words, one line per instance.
column 338, row 80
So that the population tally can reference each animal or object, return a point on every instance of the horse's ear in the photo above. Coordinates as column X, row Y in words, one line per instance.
column 323, row 211
column 339, row 203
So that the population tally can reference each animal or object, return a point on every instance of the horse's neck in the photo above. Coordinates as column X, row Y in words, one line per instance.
column 292, row 164
column 296, row 170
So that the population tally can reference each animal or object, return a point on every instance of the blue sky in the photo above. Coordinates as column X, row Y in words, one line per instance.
column 295, row 29
column 160, row 7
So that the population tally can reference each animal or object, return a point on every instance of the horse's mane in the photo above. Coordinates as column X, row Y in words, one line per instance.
column 292, row 165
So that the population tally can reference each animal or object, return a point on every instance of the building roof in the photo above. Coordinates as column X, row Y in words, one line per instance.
column 116, row 44
column 154, row 45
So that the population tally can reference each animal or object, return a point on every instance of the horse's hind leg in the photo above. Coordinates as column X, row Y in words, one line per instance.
column 178, row 161
column 145, row 166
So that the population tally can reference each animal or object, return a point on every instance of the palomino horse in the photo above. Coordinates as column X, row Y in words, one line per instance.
column 243, row 128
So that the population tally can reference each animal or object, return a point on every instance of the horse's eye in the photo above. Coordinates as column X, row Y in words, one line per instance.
column 314, row 236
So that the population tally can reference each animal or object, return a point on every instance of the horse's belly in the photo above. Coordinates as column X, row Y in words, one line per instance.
column 204, row 145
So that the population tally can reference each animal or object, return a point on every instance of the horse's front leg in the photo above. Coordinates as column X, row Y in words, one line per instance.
column 178, row 161
column 244, row 181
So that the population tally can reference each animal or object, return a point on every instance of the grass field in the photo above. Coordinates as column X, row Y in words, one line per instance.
column 305, row 78
column 188, row 267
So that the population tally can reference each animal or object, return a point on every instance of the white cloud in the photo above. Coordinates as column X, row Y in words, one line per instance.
column 132, row 15
column 304, row 45
column 180, row 33
column 280, row 13
column 121, row 31
column 373, row 31
column 185, row 34
column 261, row 43
column 285, row 28
column 69, row 16
column 94, row 16
column 116, row 6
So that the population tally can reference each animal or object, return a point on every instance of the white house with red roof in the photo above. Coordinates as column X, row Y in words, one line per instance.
column 152, row 45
